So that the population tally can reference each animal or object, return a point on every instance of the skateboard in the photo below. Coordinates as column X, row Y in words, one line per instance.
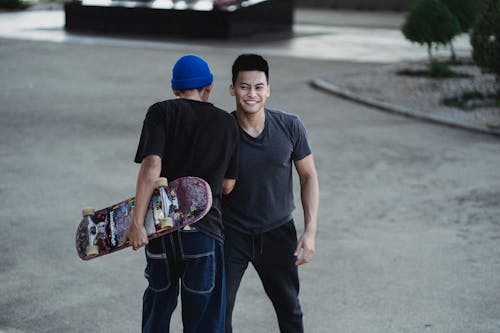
column 173, row 205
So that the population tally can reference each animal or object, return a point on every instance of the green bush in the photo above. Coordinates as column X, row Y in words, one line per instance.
column 13, row 4
column 470, row 100
column 430, row 22
column 465, row 11
column 435, row 70
column 485, row 39
column 440, row 69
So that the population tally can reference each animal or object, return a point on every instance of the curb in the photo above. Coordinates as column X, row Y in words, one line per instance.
column 336, row 90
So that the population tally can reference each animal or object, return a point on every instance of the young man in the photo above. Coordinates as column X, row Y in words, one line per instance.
column 186, row 137
column 258, row 213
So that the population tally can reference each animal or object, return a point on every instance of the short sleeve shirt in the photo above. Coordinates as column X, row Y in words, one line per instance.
column 263, row 196
column 193, row 138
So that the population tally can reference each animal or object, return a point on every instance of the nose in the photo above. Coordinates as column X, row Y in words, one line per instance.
column 252, row 92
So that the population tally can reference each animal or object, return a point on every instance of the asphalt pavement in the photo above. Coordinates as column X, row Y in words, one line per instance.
column 409, row 227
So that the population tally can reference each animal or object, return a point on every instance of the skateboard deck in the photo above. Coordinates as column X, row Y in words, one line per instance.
column 173, row 205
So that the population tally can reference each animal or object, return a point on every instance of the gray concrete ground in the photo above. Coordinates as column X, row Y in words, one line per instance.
column 409, row 225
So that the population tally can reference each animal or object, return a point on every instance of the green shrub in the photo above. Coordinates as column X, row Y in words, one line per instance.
column 429, row 22
column 470, row 100
column 435, row 70
column 440, row 69
column 465, row 11
column 485, row 39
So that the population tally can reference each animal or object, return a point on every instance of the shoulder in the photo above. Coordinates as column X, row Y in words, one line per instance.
column 161, row 106
column 170, row 105
column 159, row 110
column 155, row 111
column 283, row 116
column 279, row 114
column 223, row 121
column 288, row 120
column 224, row 115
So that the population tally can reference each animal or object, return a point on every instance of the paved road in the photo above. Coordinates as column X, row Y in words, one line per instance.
column 409, row 228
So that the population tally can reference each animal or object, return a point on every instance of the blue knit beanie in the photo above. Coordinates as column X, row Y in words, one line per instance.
column 191, row 72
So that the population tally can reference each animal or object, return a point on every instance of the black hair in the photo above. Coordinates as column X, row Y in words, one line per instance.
column 250, row 62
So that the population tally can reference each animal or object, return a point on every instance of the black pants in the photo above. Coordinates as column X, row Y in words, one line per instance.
column 272, row 256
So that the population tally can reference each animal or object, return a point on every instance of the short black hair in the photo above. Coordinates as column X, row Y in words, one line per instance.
column 250, row 62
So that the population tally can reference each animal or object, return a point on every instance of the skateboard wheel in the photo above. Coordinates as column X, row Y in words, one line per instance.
column 87, row 211
column 92, row 251
column 166, row 222
column 161, row 182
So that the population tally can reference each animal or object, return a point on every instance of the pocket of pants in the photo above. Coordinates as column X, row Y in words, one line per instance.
column 198, row 253
column 157, row 271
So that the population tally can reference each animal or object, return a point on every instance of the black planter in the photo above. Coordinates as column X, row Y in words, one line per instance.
column 154, row 18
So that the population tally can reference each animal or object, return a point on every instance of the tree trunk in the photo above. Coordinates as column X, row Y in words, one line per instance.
column 453, row 54
column 429, row 52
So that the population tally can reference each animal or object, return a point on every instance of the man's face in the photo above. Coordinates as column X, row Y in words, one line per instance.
column 251, row 91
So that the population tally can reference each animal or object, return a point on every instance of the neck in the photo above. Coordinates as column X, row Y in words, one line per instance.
column 252, row 123
column 193, row 94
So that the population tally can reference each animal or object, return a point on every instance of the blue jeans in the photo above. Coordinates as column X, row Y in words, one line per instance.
column 197, row 261
column 271, row 253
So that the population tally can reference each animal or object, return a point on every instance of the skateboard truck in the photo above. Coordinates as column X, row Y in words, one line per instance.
column 192, row 212
column 166, row 221
column 161, row 182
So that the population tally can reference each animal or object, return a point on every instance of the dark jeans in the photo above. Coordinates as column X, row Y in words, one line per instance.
column 272, row 256
column 198, row 262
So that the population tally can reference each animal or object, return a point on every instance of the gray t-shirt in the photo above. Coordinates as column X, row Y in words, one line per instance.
column 262, row 199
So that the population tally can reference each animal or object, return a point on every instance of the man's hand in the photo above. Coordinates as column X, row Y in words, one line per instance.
column 136, row 236
column 305, row 248
column 148, row 173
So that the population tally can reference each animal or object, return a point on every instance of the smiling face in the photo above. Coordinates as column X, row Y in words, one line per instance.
column 251, row 91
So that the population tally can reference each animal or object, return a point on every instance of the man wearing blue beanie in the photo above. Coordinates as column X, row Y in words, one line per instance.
column 187, row 136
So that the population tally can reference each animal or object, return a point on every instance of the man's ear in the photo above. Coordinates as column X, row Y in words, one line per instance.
column 176, row 92
column 205, row 92
column 231, row 89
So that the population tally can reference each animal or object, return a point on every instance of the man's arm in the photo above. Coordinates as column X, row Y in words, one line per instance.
column 148, row 173
column 228, row 185
column 309, row 192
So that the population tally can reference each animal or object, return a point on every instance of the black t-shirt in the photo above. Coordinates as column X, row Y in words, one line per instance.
column 262, row 199
column 193, row 138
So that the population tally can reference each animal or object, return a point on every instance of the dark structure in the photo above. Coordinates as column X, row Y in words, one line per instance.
column 181, row 18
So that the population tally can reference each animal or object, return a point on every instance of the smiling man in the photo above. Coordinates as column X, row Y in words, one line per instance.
column 257, row 214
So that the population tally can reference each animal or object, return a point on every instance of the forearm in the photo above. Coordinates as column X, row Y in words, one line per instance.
column 310, row 201
column 148, row 173
column 228, row 185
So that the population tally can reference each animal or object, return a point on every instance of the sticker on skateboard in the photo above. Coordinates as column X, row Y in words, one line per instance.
column 173, row 205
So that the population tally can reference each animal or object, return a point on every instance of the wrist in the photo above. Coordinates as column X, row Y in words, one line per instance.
column 136, row 223
column 310, row 229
